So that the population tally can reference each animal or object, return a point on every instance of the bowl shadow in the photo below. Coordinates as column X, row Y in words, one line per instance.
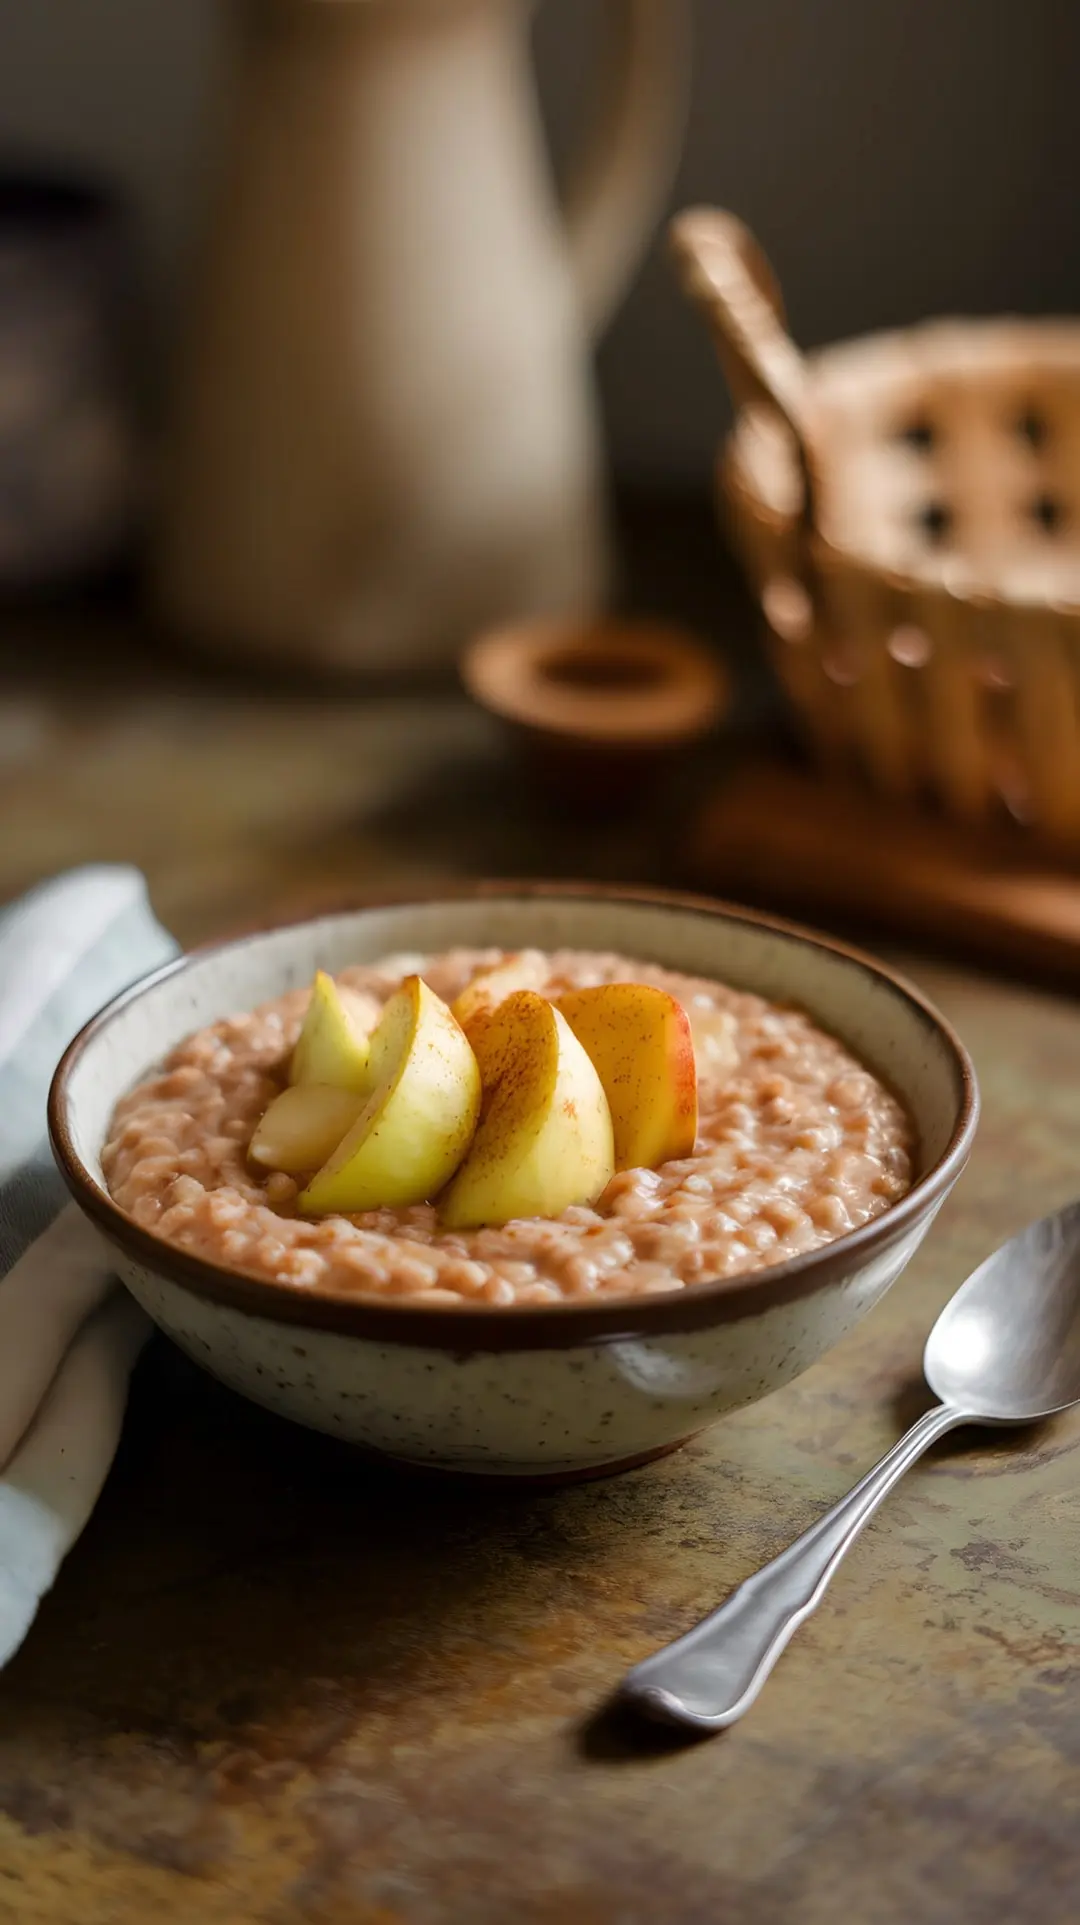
column 248, row 1584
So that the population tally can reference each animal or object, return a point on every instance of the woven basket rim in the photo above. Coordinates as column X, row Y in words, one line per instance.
column 831, row 557
column 1013, row 332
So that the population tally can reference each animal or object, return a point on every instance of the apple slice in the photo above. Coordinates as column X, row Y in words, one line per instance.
column 418, row 1120
column 526, row 970
column 303, row 1126
column 544, row 1140
column 333, row 1046
column 640, row 1041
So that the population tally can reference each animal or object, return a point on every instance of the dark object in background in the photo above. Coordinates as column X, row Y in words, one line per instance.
column 68, row 440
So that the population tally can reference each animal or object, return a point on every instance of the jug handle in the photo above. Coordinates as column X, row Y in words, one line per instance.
column 617, row 190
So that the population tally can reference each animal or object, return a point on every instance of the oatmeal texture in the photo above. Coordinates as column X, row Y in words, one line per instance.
column 797, row 1144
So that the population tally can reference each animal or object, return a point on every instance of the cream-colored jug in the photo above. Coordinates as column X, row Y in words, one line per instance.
column 383, row 433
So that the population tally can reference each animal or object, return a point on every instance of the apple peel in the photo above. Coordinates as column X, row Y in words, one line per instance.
column 640, row 1041
column 544, row 1140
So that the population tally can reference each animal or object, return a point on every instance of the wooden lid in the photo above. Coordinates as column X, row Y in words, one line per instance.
column 611, row 684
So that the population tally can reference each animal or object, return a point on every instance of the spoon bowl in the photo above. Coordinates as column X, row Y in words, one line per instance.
column 1006, row 1347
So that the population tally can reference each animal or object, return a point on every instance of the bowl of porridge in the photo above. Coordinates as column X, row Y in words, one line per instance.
column 525, row 1180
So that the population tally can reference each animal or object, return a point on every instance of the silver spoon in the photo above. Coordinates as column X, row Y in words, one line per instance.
column 1005, row 1350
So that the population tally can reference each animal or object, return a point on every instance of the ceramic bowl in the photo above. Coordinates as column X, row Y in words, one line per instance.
column 555, row 1390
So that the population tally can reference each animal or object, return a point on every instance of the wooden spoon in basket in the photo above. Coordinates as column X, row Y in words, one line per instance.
column 726, row 273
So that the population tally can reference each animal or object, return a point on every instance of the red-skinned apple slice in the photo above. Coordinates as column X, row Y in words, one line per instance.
column 544, row 1138
column 640, row 1041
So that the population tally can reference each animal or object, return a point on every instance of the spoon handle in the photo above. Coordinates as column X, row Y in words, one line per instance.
column 710, row 1676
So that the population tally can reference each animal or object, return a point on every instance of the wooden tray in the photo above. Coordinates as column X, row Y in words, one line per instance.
column 774, row 835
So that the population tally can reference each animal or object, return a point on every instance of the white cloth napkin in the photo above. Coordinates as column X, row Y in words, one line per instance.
column 68, row 1335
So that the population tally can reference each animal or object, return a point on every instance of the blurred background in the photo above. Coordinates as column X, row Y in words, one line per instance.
column 897, row 162
column 896, row 165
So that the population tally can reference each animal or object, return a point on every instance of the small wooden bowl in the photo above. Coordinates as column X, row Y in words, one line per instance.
column 599, row 706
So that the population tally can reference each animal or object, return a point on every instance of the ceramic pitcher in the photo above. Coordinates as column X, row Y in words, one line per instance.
column 383, row 433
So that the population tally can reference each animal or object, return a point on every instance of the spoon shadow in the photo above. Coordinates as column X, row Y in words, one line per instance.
column 619, row 1734
column 996, row 1441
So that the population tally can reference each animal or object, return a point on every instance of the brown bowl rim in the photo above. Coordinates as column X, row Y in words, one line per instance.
column 549, row 1326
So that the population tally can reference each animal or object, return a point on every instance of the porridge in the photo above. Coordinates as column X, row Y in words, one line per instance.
column 797, row 1143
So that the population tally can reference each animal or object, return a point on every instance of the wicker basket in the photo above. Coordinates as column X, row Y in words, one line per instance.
column 908, row 508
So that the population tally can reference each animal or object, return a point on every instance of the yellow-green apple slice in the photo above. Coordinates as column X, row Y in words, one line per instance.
column 544, row 1140
column 640, row 1041
column 419, row 1117
column 334, row 1044
column 527, row 970
column 303, row 1126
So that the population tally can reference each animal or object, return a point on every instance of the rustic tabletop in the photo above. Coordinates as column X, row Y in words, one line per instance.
column 276, row 1685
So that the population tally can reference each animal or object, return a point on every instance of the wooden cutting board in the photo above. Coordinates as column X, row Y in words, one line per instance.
column 775, row 835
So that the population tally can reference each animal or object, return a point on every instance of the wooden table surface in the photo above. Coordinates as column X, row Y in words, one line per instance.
column 276, row 1685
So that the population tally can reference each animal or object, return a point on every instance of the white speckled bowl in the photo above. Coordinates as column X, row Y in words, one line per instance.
column 557, row 1390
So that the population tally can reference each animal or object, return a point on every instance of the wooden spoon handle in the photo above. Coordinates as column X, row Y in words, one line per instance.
column 725, row 272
